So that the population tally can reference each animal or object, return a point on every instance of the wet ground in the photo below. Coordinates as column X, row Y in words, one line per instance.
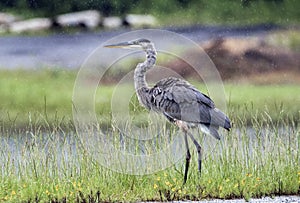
column 70, row 50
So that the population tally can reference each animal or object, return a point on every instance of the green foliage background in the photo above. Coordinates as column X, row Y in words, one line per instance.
column 170, row 11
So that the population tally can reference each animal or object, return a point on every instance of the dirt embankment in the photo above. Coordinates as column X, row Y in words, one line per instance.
column 247, row 60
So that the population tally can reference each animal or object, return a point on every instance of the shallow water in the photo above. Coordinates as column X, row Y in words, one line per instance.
column 61, row 149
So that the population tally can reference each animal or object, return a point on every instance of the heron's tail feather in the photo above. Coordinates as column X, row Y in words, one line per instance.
column 211, row 130
column 218, row 118
column 227, row 124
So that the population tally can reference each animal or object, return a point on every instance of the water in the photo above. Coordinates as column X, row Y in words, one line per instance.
column 18, row 152
column 59, row 151
column 70, row 50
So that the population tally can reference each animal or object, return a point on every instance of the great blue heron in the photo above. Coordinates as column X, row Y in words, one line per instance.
column 178, row 100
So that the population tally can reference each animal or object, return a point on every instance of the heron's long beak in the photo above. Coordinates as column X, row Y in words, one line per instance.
column 128, row 45
column 120, row 45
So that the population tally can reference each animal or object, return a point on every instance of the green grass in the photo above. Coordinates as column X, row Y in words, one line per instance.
column 40, row 95
column 44, row 98
column 275, row 101
column 259, row 156
column 288, row 39
column 223, row 12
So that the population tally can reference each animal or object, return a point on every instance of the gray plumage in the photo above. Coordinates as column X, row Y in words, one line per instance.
column 177, row 99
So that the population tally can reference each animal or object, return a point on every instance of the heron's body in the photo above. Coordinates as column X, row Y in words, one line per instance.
column 177, row 99
column 180, row 101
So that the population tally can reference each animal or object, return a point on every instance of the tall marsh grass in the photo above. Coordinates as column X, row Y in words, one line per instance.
column 254, row 159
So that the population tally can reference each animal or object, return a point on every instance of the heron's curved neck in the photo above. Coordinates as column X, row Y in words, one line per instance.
column 142, row 68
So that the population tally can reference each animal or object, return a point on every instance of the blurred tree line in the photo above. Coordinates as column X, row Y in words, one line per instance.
column 108, row 7
column 53, row 7
column 169, row 11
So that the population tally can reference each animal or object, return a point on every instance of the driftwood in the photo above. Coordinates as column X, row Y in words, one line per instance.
column 6, row 18
column 112, row 22
column 34, row 24
column 88, row 19
column 134, row 20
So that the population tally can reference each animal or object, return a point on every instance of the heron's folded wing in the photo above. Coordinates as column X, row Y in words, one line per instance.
column 180, row 100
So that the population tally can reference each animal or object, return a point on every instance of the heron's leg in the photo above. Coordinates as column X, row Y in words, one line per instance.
column 199, row 150
column 184, row 128
column 187, row 158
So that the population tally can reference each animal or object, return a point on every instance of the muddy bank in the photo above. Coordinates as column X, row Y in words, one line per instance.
column 250, row 58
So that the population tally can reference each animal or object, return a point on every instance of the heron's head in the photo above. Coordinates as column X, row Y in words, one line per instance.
column 134, row 44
